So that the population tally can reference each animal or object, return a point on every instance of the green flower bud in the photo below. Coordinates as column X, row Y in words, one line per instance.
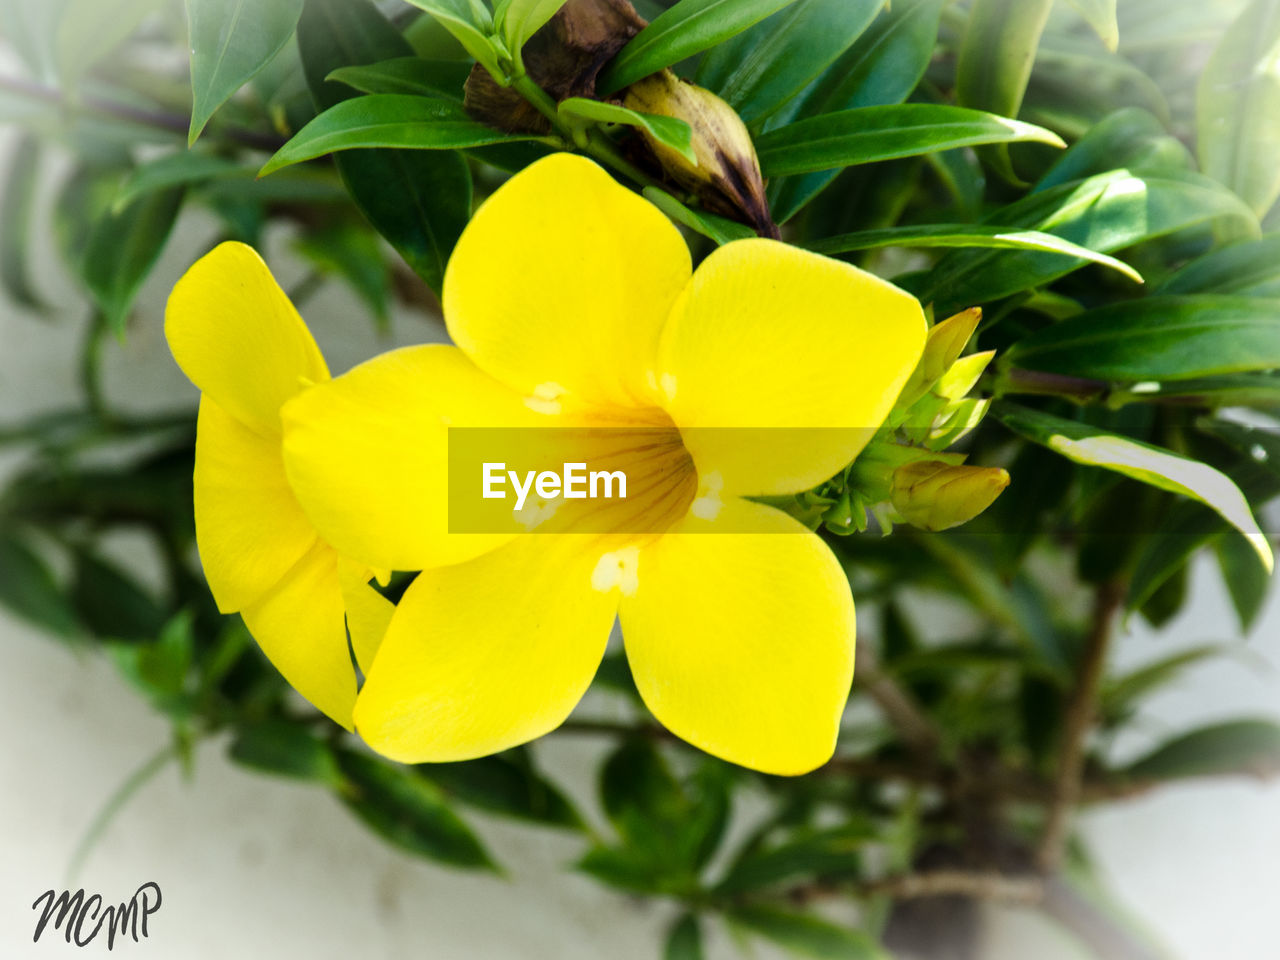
column 936, row 496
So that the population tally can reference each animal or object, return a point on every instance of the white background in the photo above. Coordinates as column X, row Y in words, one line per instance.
column 256, row 866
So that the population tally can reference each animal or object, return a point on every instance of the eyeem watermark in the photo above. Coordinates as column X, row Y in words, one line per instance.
column 72, row 912
column 574, row 482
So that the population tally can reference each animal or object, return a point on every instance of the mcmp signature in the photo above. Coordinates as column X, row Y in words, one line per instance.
column 126, row 918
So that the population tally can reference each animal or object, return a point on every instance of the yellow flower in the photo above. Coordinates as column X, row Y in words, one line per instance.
column 238, row 338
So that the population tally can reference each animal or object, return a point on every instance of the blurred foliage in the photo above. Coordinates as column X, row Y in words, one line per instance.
column 1136, row 419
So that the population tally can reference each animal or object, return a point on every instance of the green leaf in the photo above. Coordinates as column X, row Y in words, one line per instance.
column 160, row 669
column 1101, row 16
column 807, row 935
column 28, row 588
column 518, row 20
column 996, row 55
column 354, row 253
column 1238, row 107
column 966, row 235
column 871, row 134
column 761, row 69
column 182, row 169
column 1131, row 139
column 676, row 134
column 684, row 942
column 15, row 223
column 123, row 247
column 1157, row 339
column 1106, row 213
column 287, row 749
column 468, row 23
column 30, row 29
column 1251, row 269
column 1085, row 444
column 419, row 201
column 505, row 784
column 387, row 120
column 828, row 853
column 1250, row 747
column 1122, row 694
column 407, row 75
column 1247, row 583
column 880, row 69
column 686, row 28
column 719, row 229
column 231, row 40
column 89, row 30
column 112, row 605
column 408, row 811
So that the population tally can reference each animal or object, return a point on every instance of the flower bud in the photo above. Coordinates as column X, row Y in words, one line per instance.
column 726, row 177
column 937, row 496
column 945, row 343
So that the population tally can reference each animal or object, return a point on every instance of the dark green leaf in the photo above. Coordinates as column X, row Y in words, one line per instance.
column 1238, row 107
column 829, row 853
column 1130, row 139
column 880, row 69
column 684, row 942
column 807, row 935
column 15, row 223
column 1106, row 213
column 676, row 134
column 1124, row 692
column 407, row 75
column 160, row 668
column 407, row 810
column 966, row 235
column 231, row 40
column 123, row 247
column 110, row 604
column 996, row 55
column 870, row 134
column 182, row 169
column 420, row 200
column 28, row 588
column 387, row 120
column 1247, row 582
column 761, row 69
column 1251, row 269
column 1156, row 339
column 287, row 749
column 1249, row 747
column 688, row 27
column 1088, row 445
column 505, row 784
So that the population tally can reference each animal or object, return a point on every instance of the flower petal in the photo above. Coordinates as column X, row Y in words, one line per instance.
column 804, row 355
column 238, row 338
column 300, row 627
column 562, row 281
column 367, row 454
column 249, row 527
column 368, row 612
column 743, row 643
column 488, row 654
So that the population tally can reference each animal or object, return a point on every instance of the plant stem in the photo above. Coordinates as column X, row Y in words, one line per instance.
column 175, row 123
column 917, row 730
column 1080, row 714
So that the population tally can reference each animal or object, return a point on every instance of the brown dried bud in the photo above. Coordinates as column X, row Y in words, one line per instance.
column 726, row 178
column 564, row 58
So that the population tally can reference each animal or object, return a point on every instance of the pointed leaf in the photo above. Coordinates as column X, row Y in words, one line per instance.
column 1249, row 747
column 676, row 134
column 231, row 40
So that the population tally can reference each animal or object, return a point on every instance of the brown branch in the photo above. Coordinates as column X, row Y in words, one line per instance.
column 1080, row 716
column 916, row 729
column 989, row 885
